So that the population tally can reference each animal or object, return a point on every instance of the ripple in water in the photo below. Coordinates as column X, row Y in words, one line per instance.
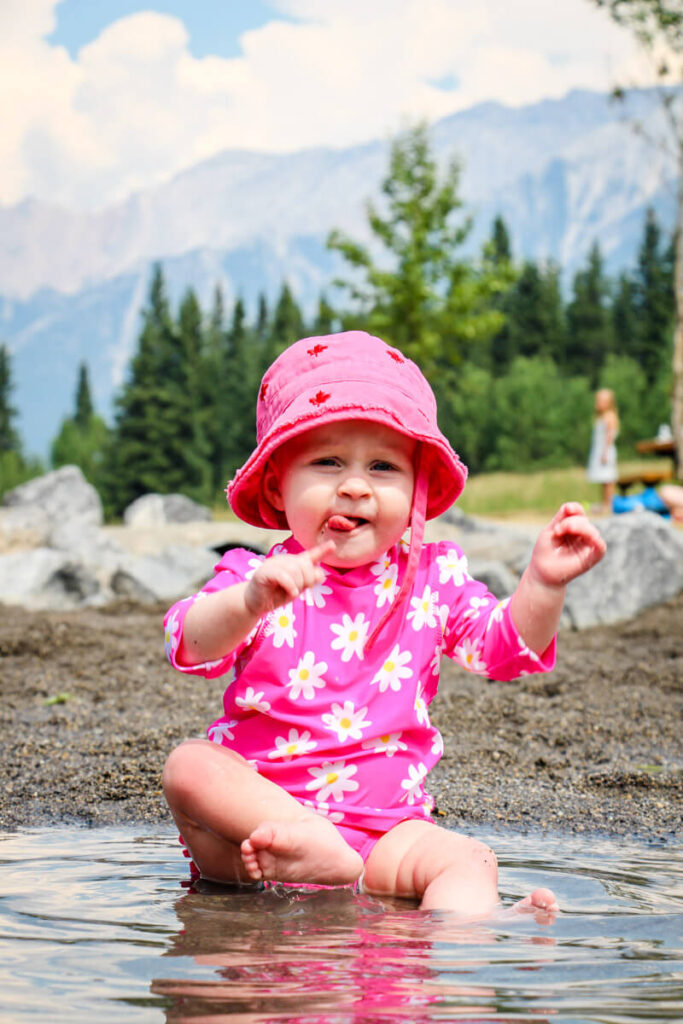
column 100, row 926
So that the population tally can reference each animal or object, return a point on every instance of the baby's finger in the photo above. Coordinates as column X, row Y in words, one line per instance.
column 318, row 553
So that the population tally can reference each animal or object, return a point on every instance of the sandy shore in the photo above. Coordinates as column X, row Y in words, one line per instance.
column 90, row 710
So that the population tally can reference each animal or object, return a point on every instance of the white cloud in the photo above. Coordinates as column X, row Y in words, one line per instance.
column 135, row 105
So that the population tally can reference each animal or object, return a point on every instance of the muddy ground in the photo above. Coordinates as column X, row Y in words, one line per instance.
column 90, row 710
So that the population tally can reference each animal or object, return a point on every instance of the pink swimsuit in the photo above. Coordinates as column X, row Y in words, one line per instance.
column 344, row 730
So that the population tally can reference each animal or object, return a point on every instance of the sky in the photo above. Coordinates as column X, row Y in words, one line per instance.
column 101, row 98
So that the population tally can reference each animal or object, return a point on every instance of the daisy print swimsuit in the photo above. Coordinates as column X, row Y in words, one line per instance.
column 344, row 730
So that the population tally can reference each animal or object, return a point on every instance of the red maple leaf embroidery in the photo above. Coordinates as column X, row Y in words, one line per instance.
column 395, row 356
column 264, row 388
column 316, row 350
column 319, row 398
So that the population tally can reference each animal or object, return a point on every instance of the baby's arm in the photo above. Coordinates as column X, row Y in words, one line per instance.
column 569, row 546
column 215, row 626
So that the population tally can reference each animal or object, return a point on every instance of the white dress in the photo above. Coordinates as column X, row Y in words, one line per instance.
column 599, row 471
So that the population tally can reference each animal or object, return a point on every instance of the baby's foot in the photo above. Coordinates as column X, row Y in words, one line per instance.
column 541, row 903
column 310, row 850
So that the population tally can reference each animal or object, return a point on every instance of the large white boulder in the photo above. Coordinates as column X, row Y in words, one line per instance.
column 62, row 496
column 160, row 509
column 45, row 578
column 176, row 572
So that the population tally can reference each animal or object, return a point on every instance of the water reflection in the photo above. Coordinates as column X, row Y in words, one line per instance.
column 330, row 956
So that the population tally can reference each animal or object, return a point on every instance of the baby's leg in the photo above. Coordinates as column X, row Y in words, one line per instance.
column 444, row 870
column 239, row 826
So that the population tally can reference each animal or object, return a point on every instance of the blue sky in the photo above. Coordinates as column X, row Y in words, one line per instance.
column 214, row 26
column 102, row 98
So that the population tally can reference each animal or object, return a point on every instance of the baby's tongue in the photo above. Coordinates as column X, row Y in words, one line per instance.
column 339, row 522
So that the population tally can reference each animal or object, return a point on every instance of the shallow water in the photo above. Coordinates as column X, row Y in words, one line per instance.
column 101, row 926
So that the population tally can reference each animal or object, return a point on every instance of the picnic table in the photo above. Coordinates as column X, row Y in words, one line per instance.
column 651, row 477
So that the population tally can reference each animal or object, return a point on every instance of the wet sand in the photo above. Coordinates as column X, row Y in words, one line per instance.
column 90, row 709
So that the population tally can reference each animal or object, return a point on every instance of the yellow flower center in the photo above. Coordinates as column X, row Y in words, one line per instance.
column 331, row 778
column 385, row 739
column 283, row 621
column 388, row 583
column 291, row 748
column 345, row 723
column 304, row 674
column 425, row 606
column 389, row 666
column 353, row 636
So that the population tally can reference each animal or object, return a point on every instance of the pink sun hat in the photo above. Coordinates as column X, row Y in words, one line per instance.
column 351, row 375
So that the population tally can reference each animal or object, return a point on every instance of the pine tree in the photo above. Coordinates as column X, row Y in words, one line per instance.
column 590, row 336
column 654, row 301
column 501, row 247
column 324, row 320
column 82, row 438
column 625, row 318
column 242, row 376
column 9, row 438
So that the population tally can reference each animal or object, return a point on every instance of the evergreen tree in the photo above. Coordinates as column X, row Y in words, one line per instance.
column 654, row 301
column 288, row 322
column 242, row 376
column 324, row 320
column 534, row 317
column 501, row 247
column 82, row 438
column 589, row 322
column 625, row 318
column 214, row 383
column 9, row 438
column 426, row 299
column 157, row 444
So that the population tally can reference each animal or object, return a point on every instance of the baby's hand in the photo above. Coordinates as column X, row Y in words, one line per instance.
column 282, row 578
column 569, row 546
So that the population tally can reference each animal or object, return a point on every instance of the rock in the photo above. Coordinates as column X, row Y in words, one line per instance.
column 23, row 526
column 643, row 566
column 44, row 578
column 497, row 577
column 62, row 496
column 488, row 541
column 160, row 509
column 176, row 572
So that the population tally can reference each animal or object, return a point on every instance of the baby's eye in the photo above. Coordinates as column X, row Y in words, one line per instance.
column 382, row 466
column 328, row 460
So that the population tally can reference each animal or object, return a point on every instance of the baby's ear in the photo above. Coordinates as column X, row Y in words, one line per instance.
column 271, row 487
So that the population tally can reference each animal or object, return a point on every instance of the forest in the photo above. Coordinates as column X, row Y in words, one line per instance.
column 514, row 353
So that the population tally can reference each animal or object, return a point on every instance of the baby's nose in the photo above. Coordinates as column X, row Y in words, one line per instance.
column 354, row 485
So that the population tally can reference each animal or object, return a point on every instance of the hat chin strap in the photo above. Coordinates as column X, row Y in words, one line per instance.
column 418, row 518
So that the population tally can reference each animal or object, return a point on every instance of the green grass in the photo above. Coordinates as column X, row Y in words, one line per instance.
column 510, row 495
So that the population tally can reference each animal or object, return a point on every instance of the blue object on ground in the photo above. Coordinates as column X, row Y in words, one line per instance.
column 648, row 499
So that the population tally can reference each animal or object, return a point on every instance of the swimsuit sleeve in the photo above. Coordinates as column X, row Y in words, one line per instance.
column 234, row 567
column 478, row 632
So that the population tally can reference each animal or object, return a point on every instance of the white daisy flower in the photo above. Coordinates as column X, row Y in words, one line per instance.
column 453, row 566
column 332, row 779
column 497, row 613
column 217, row 733
column 435, row 663
column 295, row 743
column 346, row 721
column 315, row 596
column 404, row 545
column 388, row 744
column 526, row 651
column 477, row 604
column 171, row 637
column 420, row 706
column 307, row 677
column 279, row 549
column 253, row 701
column 467, row 655
column 199, row 596
column 381, row 565
column 281, row 625
column 394, row 670
column 253, row 564
column 324, row 811
column 424, row 609
column 428, row 806
column 385, row 588
column 413, row 784
column 437, row 744
column 351, row 636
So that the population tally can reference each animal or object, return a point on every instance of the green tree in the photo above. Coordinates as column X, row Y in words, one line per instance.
column 82, row 438
column 589, row 320
column 654, row 301
column 241, row 381
column 424, row 297
column 157, row 443
column 534, row 313
column 15, row 468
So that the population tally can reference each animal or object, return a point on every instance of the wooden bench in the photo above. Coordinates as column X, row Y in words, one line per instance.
column 646, row 477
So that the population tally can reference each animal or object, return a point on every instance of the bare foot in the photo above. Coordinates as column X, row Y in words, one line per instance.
column 541, row 903
column 307, row 851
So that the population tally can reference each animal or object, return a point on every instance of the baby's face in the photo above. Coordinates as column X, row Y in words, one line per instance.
column 351, row 482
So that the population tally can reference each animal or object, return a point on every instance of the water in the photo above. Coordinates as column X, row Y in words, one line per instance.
column 101, row 926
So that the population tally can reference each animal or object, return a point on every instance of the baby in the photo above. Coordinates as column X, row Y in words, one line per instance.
column 316, row 771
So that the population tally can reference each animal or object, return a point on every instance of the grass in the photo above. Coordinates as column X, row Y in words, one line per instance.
column 511, row 495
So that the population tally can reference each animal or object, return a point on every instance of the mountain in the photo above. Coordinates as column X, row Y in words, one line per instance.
column 563, row 173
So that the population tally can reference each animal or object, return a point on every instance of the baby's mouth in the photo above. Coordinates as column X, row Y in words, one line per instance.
column 344, row 524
